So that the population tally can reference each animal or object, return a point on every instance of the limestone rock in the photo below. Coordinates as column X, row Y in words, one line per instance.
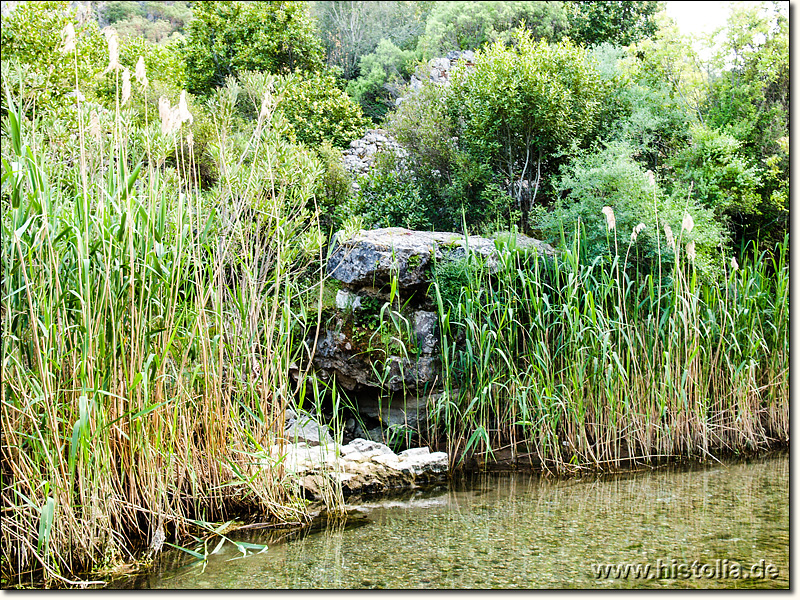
column 371, row 258
column 361, row 467
column 425, row 324
column 304, row 428
column 347, row 300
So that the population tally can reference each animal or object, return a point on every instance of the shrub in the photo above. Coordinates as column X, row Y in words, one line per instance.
column 724, row 181
column 335, row 187
column 610, row 177
column 388, row 197
column 225, row 38
column 379, row 84
column 31, row 36
column 317, row 110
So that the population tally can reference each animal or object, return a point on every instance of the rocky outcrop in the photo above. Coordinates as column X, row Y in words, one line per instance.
column 305, row 428
column 386, row 355
column 372, row 258
column 360, row 467
column 358, row 158
column 438, row 69
column 338, row 354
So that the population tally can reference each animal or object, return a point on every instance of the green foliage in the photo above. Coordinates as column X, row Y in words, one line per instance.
column 642, row 108
column 452, row 274
column 31, row 37
column 749, row 99
column 318, row 110
column 455, row 185
column 469, row 25
column 381, row 79
column 165, row 74
column 519, row 107
column 621, row 23
column 158, row 22
column 424, row 128
column 334, row 187
column 352, row 29
column 498, row 130
column 724, row 180
column 388, row 197
column 117, row 11
column 610, row 177
column 226, row 38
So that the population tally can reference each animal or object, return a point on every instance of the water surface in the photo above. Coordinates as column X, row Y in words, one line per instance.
column 528, row 531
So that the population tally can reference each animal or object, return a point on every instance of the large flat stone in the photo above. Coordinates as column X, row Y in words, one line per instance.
column 371, row 258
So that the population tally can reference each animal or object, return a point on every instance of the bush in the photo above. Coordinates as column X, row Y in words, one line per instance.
column 335, row 188
column 388, row 197
column 610, row 177
column 723, row 179
column 31, row 36
column 318, row 110
column 225, row 38
column 382, row 73
column 469, row 25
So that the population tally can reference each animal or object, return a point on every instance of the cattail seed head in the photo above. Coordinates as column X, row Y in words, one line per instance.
column 183, row 110
column 636, row 231
column 164, row 114
column 68, row 35
column 141, row 72
column 670, row 237
column 734, row 263
column 691, row 254
column 126, row 85
column 94, row 125
column 651, row 177
column 264, row 107
column 611, row 222
column 688, row 223
column 113, row 49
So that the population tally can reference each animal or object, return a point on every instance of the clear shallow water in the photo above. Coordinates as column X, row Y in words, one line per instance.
column 525, row 531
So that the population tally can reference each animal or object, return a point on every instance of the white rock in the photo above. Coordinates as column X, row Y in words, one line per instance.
column 347, row 301
column 411, row 452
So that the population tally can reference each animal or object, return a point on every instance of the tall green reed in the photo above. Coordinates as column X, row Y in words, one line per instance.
column 574, row 364
column 148, row 331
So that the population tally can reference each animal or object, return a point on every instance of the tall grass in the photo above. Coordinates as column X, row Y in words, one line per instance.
column 148, row 333
column 576, row 364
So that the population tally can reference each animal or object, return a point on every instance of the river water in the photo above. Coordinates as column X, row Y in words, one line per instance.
column 696, row 527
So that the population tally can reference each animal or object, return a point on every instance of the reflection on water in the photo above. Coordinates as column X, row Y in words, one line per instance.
column 525, row 531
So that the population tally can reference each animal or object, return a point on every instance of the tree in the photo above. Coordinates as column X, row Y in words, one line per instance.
column 118, row 11
column 31, row 36
column 317, row 110
column 749, row 100
column 724, row 180
column 351, row 29
column 226, row 38
column 521, row 106
column 381, row 79
column 595, row 22
column 469, row 25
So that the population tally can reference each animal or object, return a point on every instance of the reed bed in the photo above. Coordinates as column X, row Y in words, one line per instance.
column 148, row 330
column 581, row 364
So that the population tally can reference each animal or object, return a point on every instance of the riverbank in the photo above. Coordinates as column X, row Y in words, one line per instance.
column 524, row 530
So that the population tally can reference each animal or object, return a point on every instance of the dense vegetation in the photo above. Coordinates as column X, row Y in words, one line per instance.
column 171, row 177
